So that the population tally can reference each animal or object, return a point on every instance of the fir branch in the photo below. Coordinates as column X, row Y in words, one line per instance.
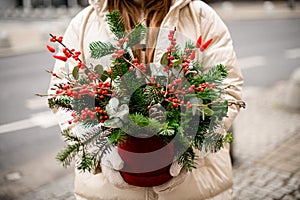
column 116, row 23
column 138, row 33
column 216, row 74
column 187, row 159
column 117, row 136
column 213, row 141
column 68, row 154
column 87, row 162
column 99, row 49
column 60, row 101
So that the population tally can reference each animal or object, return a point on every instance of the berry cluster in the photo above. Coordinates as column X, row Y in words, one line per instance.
column 175, row 92
column 118, row 53
column 88, row 114
column 93, row 86
column 67, row 53
column 170, row 50
column 140, row 66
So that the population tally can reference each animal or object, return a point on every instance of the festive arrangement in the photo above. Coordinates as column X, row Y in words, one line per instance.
column 124, row 105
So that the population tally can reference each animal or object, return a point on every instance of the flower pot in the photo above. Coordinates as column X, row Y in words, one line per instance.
column 146, row 161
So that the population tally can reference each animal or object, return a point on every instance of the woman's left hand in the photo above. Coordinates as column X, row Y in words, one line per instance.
column 179, row 174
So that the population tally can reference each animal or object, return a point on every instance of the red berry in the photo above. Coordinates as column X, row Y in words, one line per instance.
column 62, row 58
column 60, row 39
column 51, row 49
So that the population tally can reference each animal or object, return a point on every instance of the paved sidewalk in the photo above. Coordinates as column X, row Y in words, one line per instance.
column 266, row 146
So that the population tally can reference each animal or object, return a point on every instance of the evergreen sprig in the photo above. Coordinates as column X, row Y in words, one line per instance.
column 62, row 102
column 67, row 155
column 99, row 49
column 116, row 23
column 138, row 33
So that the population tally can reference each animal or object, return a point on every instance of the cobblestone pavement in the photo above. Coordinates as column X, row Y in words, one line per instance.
column 274, row 176
column 267, row 147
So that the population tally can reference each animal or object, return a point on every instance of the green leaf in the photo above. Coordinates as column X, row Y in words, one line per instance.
column 228, row 138
column 140, row 120
column 98, row 69
column 104, row 76
column 177, row 62
column 164, row 61
column 208, row 111
column 75, row 72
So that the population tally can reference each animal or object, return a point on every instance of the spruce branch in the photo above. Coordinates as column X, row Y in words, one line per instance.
column 60, row 101
column 187, row 159
column 138, row 33
column 99, row 49
column 68, row 154
column 116, row 23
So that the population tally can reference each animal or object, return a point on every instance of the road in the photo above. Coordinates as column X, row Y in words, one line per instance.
column 268, row 52
column 29, row 135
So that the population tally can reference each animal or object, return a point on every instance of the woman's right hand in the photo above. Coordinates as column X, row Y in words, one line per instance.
column 111, row 163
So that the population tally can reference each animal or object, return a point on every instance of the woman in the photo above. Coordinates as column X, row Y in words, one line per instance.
column 213, row 177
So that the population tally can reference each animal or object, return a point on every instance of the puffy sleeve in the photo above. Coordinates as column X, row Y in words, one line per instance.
column 221, row 51
column 71, row 40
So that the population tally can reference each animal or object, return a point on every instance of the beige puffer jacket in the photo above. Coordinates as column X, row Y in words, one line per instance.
column 213, row 177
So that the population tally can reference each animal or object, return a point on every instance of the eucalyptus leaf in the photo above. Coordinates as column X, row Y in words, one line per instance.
column 113, row 123
column 208, row 111
column 164, row 61
column 99, row 69
column 112, row 106
column 177, row 62
column 75, row 72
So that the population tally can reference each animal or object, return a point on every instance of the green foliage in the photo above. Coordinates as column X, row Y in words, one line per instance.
column 117, row 136
column 116, row 23
column 98, row 69
column 164, row 61
column 189, row 45
column 99, row 49
column 120, row 68
column 187, row 159
column 78, row 147
column 60, row 101
column 145, row 125
column 75, row 73
column 137, row 34
column 68, row 154
column 189, row 128
column 216, row 74
column 86, row 162
column 228, row 138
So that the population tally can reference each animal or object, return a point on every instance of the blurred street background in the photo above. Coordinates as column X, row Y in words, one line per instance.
column 266, row 147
